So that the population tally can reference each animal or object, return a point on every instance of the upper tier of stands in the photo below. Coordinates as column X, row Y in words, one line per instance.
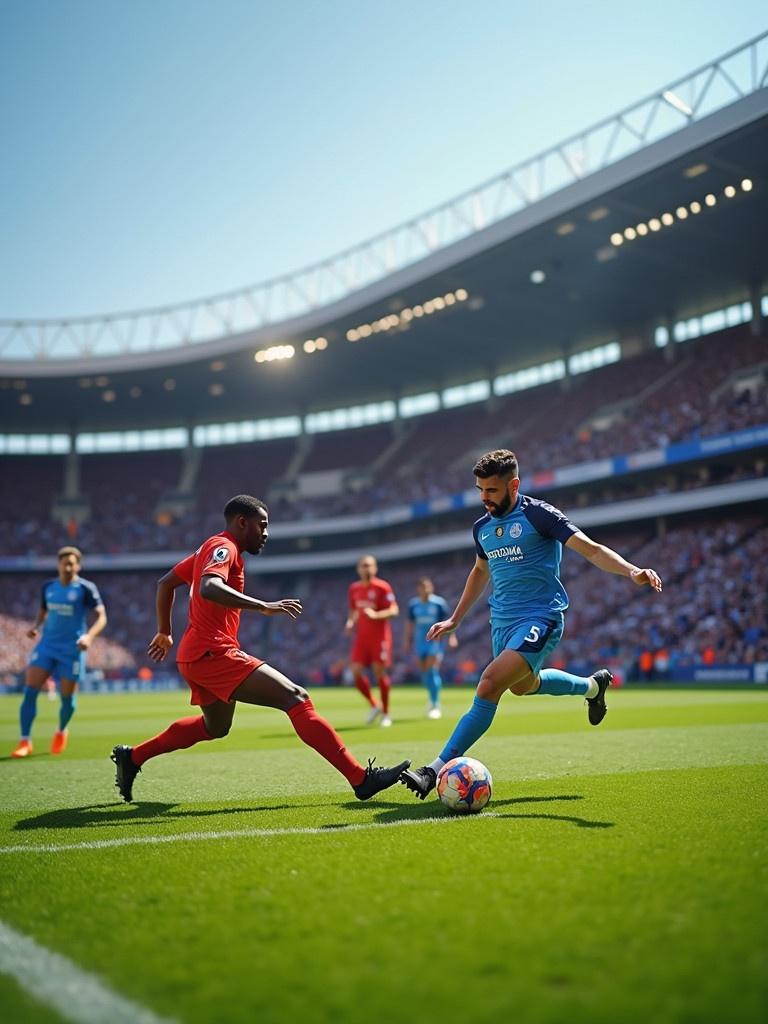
column 636, row 404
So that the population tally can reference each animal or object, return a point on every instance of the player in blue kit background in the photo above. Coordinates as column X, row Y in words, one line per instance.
column 64, row 606
column 424, row 611
column 518, row 546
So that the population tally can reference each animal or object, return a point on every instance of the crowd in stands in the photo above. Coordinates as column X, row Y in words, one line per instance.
column 633, row 405
column 712, row 610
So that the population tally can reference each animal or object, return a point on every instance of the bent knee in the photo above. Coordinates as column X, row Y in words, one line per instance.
column 490, row 688
column 219, row 730
column 524, row 686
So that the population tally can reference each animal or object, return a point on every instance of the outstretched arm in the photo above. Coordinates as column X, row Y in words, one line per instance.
column 213, row 588
column 476, row 583
column 608, row 560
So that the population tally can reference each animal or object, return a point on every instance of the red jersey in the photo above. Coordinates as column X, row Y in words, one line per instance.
column 211, row 627
column 376, row 594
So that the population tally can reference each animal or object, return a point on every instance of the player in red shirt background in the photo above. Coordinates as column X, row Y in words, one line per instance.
column 218, row 672
column 372, row 604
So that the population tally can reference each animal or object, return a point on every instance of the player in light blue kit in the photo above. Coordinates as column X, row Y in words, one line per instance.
column 60, row 653
column 423, row 612
column 518, row 545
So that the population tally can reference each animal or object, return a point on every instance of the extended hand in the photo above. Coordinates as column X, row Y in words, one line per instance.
column 646, row 576
column 370, row 613
column 159, row 646
column 288, row 606
column 441, row 629
column 84, row 642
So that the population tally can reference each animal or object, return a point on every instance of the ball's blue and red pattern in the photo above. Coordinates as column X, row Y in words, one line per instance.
column 464, row 785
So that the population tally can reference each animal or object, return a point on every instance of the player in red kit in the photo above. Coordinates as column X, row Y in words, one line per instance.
column 372, row 604
column 218, row 673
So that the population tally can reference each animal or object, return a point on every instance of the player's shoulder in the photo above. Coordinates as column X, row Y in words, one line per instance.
column 479, row 523
column 546, row 518
column 88, row 585
column 217, row 542
column 528, row 501
column 380, row 583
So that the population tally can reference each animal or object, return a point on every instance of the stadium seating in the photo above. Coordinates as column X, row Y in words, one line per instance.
column 715, row 575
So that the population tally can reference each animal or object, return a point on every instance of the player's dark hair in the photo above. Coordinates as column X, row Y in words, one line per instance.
column 244, row 505
column 500, row 462
column 69, row 550
column 425, row 579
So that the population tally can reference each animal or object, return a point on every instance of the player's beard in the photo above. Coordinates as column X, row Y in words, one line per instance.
column 500, row 510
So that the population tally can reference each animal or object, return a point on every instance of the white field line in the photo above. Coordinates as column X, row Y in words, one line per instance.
column 243, row 833
column 54, row 980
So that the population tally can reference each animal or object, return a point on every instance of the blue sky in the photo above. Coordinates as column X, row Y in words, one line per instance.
column 161, row 150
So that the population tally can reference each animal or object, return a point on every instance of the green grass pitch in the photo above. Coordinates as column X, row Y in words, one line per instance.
column 619, row 874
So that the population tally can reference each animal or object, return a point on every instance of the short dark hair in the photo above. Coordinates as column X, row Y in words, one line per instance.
column 500, row 462
column 244, row 505
column 69, row 550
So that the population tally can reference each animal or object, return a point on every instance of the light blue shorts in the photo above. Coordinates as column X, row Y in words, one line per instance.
column 430, row 648
column 534, row 637
column 59, row 664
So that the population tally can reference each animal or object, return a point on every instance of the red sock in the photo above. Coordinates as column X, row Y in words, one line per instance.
column 178, row 736
column 364, row 687
column 322, row 737
column 384, row 687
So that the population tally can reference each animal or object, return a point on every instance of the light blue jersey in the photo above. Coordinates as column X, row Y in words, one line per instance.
column 423, row 615
column 523, row 550
column 67, row 606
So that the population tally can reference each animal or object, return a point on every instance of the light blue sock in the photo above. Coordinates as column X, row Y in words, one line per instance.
column 560, row 684
column 469, row 728
column 28, row 710
column 431, row 679
column 66, row 711
column 437, row 684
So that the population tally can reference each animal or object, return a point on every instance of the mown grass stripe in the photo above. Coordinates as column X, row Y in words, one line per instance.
column 52, row 979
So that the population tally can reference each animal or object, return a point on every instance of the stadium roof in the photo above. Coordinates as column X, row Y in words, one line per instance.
column 592, row 282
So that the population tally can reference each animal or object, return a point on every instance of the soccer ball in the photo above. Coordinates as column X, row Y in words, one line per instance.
column 464, row 785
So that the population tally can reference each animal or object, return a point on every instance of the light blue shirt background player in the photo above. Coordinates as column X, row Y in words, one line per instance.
column 424, row 611
column 60, row 653
column 518, row 547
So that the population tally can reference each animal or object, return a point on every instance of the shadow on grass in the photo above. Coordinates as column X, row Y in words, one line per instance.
column 391, row 812
column 145, row 813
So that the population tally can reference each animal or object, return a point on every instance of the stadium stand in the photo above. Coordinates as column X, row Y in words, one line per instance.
column 712, row 386
column 715, row 572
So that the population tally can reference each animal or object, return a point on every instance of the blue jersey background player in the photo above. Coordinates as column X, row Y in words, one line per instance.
column 60, row 653
column 424, row 611
column 518, row 546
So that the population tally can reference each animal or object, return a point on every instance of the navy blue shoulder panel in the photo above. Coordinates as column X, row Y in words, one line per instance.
column 548, row 520
column 476, row 532
column 92, row 595
column 42, row 591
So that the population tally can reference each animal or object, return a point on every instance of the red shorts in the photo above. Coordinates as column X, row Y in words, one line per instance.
column 217, row 674
column 371, row 652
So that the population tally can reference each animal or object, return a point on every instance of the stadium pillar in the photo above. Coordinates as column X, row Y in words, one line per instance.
column 757, row 322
